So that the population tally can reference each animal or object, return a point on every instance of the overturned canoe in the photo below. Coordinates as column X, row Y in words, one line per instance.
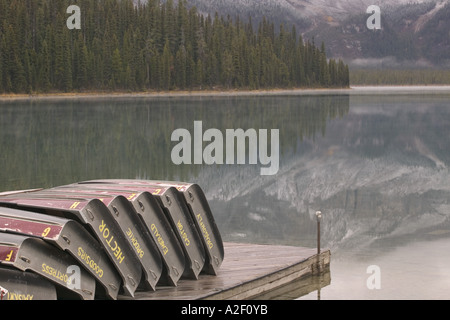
column 143, row 246
column 153, row 220
column 30, row 253
column 149, row 232
column 21, row 285
column 68, row 235
column 177, row 213
column 198, row 208
column 95, row 216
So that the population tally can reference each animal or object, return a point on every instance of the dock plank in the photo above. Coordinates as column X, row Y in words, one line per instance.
column 248, row 271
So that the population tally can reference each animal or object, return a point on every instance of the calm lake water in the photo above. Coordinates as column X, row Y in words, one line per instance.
column 375, row 163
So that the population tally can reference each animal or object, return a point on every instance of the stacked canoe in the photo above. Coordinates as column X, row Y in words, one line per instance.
column 100, row 239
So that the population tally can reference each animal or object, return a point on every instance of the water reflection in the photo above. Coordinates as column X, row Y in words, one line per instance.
column 51, row 142
column 376, row 166
column 48, row 142
column 413, row 270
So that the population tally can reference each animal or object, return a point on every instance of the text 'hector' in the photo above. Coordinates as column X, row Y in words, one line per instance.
column 235, row 142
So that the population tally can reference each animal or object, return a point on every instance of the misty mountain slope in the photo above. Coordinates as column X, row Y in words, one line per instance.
column 337, row 9
column 411, row 31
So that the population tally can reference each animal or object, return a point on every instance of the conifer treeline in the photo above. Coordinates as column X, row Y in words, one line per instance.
column 156, row 46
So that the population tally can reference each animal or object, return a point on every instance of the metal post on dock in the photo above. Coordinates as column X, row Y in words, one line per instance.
column 318, row 217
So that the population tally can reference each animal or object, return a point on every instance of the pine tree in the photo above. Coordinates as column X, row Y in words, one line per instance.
column 83, row 79
column 166, row 64
column 44, row 82
column 180, row 67
column 117, row 69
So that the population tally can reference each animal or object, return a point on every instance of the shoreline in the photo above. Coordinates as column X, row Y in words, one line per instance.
column 352, row 90
column 174, row 93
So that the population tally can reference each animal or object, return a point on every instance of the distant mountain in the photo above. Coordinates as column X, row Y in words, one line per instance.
column 413, row 33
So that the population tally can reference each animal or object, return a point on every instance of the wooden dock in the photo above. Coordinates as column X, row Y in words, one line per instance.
column 251, row 271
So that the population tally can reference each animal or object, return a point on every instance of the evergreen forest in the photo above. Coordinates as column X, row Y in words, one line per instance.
column 158, row 45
